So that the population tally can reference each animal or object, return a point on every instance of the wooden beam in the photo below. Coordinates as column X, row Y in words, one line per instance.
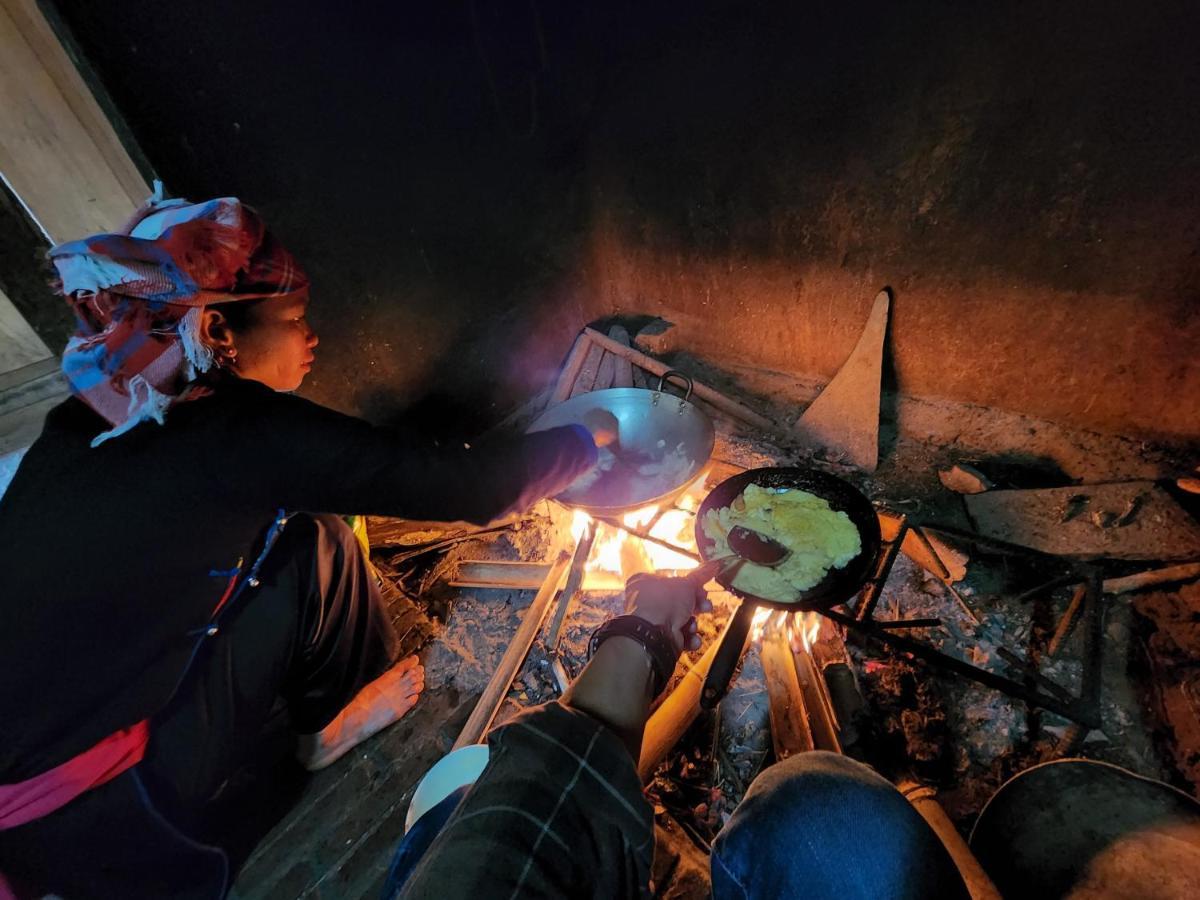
column 58, row 151
column 20, row 346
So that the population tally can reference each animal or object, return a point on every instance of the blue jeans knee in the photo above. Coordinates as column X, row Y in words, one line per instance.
column 823, row 825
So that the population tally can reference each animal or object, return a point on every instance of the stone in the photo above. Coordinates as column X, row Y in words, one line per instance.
column 1122, row 520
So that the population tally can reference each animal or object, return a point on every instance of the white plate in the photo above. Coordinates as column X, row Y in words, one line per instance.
column 448, row 774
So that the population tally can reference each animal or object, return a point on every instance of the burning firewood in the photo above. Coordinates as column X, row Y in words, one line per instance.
column 790, row 731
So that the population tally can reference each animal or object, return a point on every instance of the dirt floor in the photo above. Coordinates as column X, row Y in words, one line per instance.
column 960, row 737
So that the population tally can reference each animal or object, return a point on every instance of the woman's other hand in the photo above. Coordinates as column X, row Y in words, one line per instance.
column 603, row 425
column 672, row 603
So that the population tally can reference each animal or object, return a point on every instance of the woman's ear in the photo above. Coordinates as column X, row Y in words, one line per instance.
column 216, row 333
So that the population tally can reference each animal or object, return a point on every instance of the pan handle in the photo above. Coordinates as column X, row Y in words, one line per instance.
column 729, row 654
column 674, row 373
column 714, row 568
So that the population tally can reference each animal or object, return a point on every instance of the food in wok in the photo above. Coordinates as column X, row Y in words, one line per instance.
column 820, row 538
column 624, row 479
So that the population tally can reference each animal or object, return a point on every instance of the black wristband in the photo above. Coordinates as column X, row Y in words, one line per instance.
column 654, row 638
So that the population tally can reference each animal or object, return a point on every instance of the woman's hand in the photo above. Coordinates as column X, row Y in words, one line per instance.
column 672, row 603
column 603, row 425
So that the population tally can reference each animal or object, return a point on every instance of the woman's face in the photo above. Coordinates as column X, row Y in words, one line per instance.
column 275, row 346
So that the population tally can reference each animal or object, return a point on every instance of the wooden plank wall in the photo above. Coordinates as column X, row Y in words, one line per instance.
column 19, row 344
column 58, row 152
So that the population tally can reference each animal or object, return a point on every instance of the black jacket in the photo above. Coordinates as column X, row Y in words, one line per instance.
column 113, row 558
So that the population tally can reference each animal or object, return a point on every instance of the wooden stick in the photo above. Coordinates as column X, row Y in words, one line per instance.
column 1139, row 580
column 571, row 588
column 710, row 396
column 790, row 732
column 570, row 369
column 513, row 575
column 675, row 714
column 1067, row 623
column 962, row 604
column 489, row 702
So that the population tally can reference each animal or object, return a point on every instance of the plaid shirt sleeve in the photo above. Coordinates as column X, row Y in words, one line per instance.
column 558, row 812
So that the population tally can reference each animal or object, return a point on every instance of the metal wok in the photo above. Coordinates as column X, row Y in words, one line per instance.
column 665, row 442
column 836, row 587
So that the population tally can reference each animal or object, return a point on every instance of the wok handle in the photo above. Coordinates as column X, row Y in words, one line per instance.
column 674, row 373
column 729, row 654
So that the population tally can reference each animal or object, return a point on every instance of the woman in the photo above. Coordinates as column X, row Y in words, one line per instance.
column 160, row 587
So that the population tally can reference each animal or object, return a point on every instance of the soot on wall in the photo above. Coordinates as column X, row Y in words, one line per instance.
column 469, row 182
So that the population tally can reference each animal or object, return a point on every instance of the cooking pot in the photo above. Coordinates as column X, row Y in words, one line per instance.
column 665, row 443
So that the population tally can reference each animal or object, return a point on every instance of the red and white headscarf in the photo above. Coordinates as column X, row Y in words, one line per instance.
column 138, row 295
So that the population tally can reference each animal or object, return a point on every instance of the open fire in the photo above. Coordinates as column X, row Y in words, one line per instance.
column 623, row 551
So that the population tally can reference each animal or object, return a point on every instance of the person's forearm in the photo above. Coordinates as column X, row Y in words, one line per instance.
column 615, row 689
column 315, row 458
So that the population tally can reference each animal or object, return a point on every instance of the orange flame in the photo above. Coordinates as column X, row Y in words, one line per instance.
column 620, row 552
column 804, row 629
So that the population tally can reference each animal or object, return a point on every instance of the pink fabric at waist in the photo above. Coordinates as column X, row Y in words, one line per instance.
column 43, row 794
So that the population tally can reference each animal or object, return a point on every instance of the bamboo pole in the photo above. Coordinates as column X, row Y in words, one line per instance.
column 710, row 396
column 676, row 713
column 821, row 717
column 790, row 732
column 925, row 802
column 571, row 588
column 489, row 702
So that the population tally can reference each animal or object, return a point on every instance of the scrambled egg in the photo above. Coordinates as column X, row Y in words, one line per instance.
column 819, row 537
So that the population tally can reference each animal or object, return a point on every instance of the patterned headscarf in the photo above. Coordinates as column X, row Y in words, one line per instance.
column 138, row 295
